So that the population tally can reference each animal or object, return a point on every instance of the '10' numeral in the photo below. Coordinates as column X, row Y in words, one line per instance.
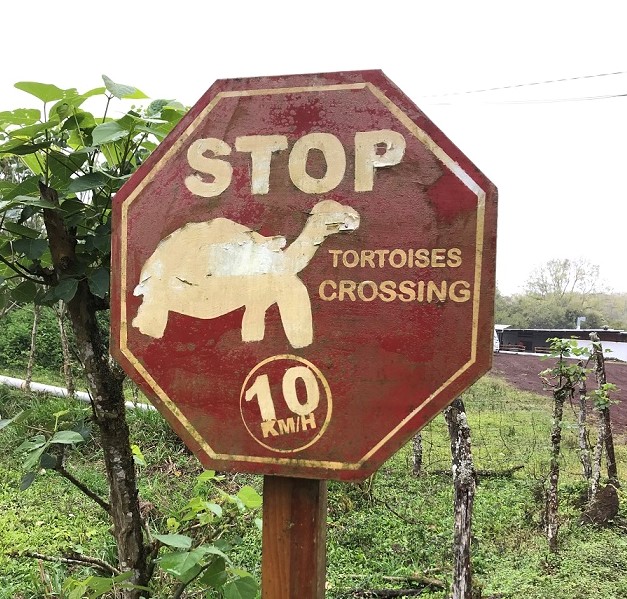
column 261, row 389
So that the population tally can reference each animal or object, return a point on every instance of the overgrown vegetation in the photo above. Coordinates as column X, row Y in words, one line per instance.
column 62, row 166
column 15, row 341
column 396, row 533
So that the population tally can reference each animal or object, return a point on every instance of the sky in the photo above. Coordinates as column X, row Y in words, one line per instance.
column 556, row 151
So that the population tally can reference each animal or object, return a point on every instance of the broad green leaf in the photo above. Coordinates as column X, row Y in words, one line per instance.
column 99, row 282
column 25, row 292
column 138, row 458
column 113, row 152
column 87, row 182
column 249, row 497
column 46, row 92
column 68, row 104
column 213, row 550
column 76, row 142
column 102, row 241
column 32, row 458
column 4, row 422
column 107, row 133
column 241, row 588
column 28, row 187
column 215, row 575
column 214, row 508
column 33, row 162
column 67, row 437
column 178, row 563
column 6, row 251
column 96, row 91
column 36, row 442
column 27, row 480
column 207, row 475
column 120, row 90
column 21, row 230
column 19, row 148
column 173, row 524
column 21, row 116
column 27, row 201
column 80, row 119
column 98, row 585
column 155, row 107
column 65, row 290
column 63, row 168
column 178, row 541
column 32, row 131
column 177, row 107
column 83, row 429
column 129, row 120
column 32, row 248
column 62, row 109
column 75, row 212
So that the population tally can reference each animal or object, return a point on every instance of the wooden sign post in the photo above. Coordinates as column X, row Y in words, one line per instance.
column 302, row 277
column 294, row 535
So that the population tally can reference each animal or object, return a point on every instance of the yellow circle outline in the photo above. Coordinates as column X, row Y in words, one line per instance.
column 320, row 377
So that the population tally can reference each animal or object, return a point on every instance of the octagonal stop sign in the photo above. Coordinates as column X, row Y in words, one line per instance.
column 303, row 274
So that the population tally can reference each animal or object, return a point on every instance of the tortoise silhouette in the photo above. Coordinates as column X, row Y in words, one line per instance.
column 208, row 269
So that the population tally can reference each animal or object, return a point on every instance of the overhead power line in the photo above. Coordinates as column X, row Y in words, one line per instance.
column 532, row 84
column 540, row 101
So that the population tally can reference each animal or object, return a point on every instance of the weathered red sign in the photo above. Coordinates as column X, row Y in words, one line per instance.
column 303, row 274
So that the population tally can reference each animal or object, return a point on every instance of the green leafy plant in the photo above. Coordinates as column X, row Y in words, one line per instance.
column 61, row 166
column 46, row 452
column 601, row 396
column 199, row 551
column 84, row 159
column 563, row 378
column 194, row 551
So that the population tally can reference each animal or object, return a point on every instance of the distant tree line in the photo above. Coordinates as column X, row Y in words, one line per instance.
column 560, row 292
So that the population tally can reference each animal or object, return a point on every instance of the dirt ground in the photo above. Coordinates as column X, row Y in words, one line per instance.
column 521, row 371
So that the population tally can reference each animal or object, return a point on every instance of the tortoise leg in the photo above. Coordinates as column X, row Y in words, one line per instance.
column 151, row 320
column 295, row 310
column 254, row 322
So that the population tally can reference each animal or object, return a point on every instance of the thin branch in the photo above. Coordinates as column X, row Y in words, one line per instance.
column 403, row 519
column 77, row 167
column 20, row 271
column 84, row 489
column 385, row 593
column 180, row 589
column 74, row 559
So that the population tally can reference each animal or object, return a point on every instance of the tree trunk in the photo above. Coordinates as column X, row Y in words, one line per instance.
column 464, row 481
column 105, row 386
column 601, row 376
column 552, row 503
column 417, row 454
column 33, row 348
column 584, row 444
column 595, row 478
column 65, row 348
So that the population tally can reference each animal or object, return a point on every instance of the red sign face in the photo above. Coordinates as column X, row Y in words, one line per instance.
column 303, row 274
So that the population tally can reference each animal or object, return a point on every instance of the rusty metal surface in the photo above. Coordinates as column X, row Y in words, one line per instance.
column 353, row 338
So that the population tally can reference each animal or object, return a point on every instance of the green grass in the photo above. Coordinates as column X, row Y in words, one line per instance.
column 377, row 534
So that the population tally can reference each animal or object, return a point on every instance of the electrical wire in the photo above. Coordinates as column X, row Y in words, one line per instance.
column 541, row 101
column 529, row 84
